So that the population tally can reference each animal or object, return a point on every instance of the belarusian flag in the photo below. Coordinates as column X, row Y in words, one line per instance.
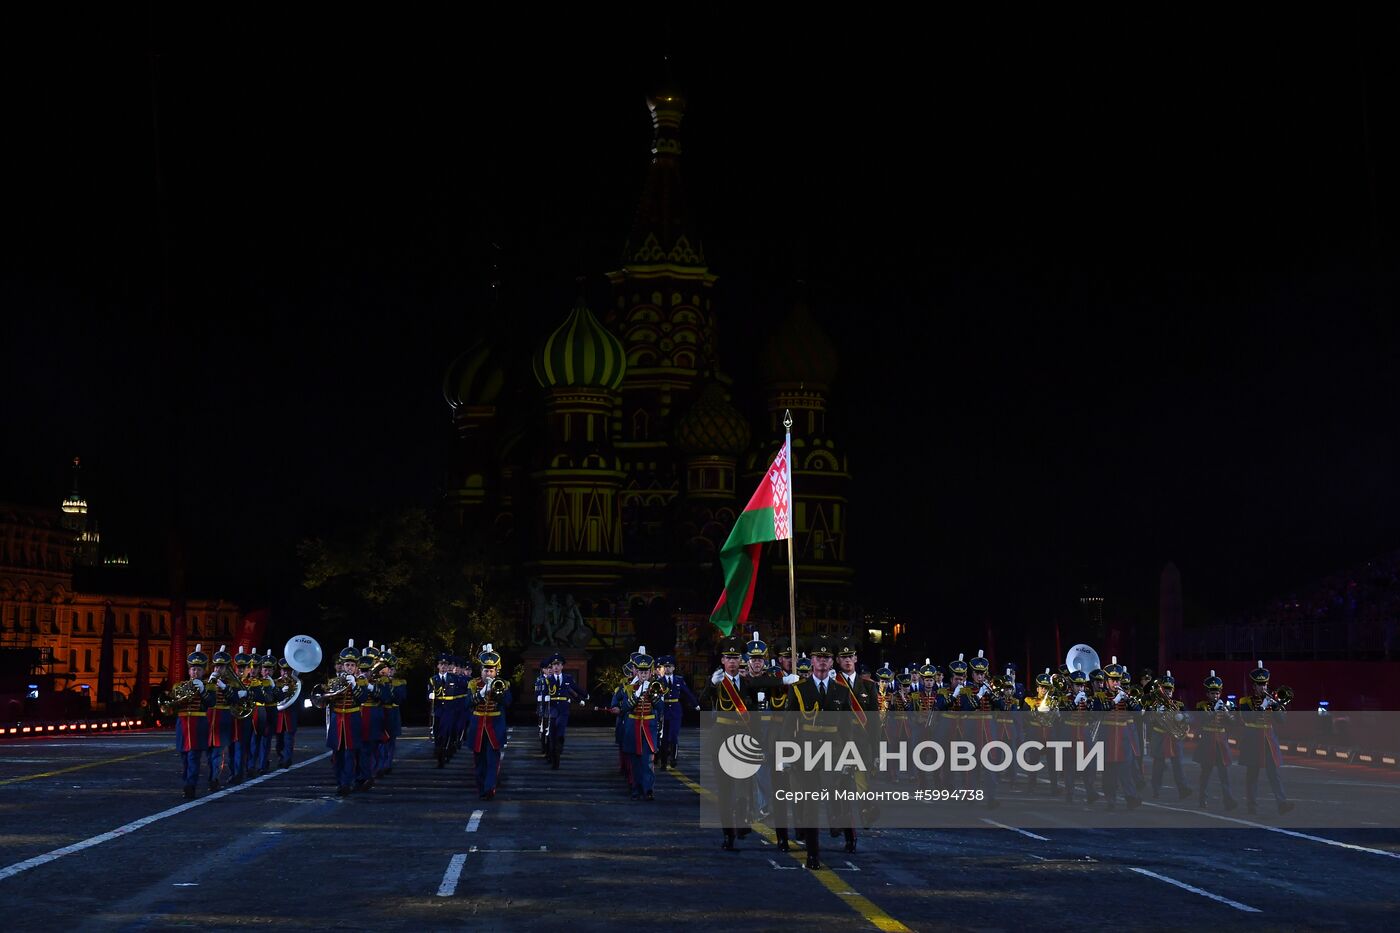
column 768, row 517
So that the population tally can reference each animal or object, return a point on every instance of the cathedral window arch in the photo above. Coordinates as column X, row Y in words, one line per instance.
column 821, row 460
column 685, row 359
column 641, row 425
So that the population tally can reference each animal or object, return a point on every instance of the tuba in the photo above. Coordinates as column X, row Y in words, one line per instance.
column 240, row 707
column 289, row 680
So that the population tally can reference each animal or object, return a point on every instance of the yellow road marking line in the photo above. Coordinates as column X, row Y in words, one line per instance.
column 862, row 905
column 91, row 764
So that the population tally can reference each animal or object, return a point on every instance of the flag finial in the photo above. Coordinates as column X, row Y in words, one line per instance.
column 787, row 418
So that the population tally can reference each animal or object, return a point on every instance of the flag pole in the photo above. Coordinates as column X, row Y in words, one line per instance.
column 792, row 517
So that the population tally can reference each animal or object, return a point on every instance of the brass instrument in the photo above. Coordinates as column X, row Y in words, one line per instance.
column 499, row 686
column 1281, row 697
column 1006, row 687
column 240, row 707
column 289, row 699
column 337, row 684
column 655, row 691
column 179, row 694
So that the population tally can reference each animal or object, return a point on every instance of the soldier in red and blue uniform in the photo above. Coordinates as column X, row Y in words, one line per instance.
column 1213, row 744
column 241, row 741
column 1165, row 746
column 557, row 691
column 286, row 718
column 639, row 723
column 676, row 700
column 343, row 719
column 1259, row 745
column 1120, row 738
column 223, row 750
column 192, row 720
column 262, row 689
column 393, row 693
column 487, row 733
column 371, row 722
column 1043, row 728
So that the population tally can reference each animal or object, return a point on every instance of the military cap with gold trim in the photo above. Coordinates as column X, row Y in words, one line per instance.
column 1260, row 675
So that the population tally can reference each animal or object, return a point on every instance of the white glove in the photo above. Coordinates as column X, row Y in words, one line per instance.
column 787, row 679
column 642, row 687
column 286, row 689
column 1080, row 697
column 1219, row 705
column 1119, row 697
column 697, row 709
column 983, row 692
column 717, row 676
column 244, row 693
column 222, row 685
column 1267, row 703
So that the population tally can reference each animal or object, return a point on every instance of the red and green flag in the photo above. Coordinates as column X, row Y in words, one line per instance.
column 767, row 517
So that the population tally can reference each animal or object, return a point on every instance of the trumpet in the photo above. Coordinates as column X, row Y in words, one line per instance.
column 1281, row 697
column 655, row 691
column 497, row 689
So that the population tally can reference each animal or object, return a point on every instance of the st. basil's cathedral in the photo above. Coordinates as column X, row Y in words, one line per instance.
column 611, row 487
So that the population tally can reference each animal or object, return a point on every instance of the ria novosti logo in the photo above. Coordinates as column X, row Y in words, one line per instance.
column 740, row 756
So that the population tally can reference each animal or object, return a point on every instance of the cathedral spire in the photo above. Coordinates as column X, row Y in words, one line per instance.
column 662, row 231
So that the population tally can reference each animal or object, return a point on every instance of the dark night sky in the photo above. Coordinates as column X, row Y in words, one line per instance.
column 1108, row 291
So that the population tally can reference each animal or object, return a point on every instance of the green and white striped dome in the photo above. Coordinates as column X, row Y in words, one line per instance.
column 581, row 353
column 474, row 378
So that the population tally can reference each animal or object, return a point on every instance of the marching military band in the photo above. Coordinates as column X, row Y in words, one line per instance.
column 233, row 712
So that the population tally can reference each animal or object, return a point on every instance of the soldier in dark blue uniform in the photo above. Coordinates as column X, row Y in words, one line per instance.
column 223, row 746
column 371, row 720
column 189, row 704
column 676, row 700
column 446, row 691
column 1161, row 718
column 489, row 697
column 262, row 688
column 815, row 700
column 542, row 708
column 559, row 691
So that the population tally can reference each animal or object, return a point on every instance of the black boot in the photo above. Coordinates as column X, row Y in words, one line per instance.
column 850, row 840
column 728, row 844
column 783, row 845
column 814, row 860
column 189, row 792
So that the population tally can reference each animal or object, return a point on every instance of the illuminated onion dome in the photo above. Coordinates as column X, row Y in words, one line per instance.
column 581, row 353
column 474, row 378
column 713, row 425
column 799, row 351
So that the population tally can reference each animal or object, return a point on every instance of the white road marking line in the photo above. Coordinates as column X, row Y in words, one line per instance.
column 778, row 867
column 1195, row 890
column 1014, row 829
column 449, row 877
column 475, row 821
column 1286, row 832
column 129, row 828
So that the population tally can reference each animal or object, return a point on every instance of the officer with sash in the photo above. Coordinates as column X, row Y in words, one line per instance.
column 191, row 718
column 824, row 714
column 675, row 701
column 733, row 699
column 1259, row 745
column 1213, row 744
column 559, row 691
column 489, row 698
